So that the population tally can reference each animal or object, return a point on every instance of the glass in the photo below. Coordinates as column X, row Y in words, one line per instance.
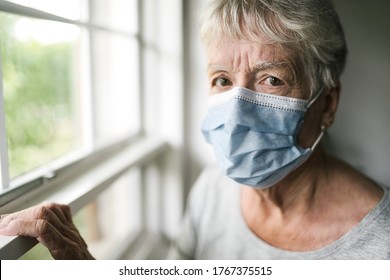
column 114, row 217
column 115, row 73
column 42, row 81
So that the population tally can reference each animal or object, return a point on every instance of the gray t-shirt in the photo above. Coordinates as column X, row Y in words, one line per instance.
column 213, row 228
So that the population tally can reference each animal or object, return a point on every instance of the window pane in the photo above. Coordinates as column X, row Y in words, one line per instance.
column 42, row 81
column 70, row 9
column 115, row 73
column 113, row 217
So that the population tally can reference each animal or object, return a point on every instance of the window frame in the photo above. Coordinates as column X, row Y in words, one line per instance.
column 4, row 171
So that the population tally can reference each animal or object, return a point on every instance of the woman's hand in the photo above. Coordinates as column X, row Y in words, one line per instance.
column 52, row 225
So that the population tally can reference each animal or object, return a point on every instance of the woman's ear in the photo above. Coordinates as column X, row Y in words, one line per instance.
column 331, row 98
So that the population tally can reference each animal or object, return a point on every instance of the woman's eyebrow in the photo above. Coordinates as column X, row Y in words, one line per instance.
column 256, row 67
column 217, row 68
column 265, row 65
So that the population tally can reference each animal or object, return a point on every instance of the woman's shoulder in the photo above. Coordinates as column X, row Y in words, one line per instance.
column 211, row 180
column 384, row 204
column 374, row 237
column 212, row 189
column 358, row 188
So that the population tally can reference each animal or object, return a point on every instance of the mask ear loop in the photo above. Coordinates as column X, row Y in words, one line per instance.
column 323, row 128
column 315, row 98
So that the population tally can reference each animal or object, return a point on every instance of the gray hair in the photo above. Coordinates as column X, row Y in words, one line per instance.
column 311, row 28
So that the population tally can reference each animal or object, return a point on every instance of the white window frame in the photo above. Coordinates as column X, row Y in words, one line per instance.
column 4, row 172
column 159, row 145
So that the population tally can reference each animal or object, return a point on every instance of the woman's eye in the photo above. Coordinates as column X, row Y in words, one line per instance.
column 273, row 81
column 221, row 82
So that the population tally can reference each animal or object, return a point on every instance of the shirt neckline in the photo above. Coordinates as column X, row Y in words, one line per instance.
column 320, row 253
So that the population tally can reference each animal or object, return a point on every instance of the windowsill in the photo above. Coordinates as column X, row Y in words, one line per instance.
column 77, row 191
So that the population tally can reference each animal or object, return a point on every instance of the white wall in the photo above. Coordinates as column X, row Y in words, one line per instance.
column 361, row 133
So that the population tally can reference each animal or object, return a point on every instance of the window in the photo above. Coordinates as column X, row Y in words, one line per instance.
column 67, row 84
column 91, row 115
column 43, row 93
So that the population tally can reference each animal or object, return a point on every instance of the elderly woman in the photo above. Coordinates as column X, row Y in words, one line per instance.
column 274, row 74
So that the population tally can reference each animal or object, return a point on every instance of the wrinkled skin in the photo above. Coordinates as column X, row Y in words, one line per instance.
column 52, row 225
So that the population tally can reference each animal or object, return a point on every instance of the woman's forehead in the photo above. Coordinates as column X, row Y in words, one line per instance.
column 252, row 54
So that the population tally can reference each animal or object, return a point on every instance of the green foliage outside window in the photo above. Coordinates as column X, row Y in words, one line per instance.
column 38, row 94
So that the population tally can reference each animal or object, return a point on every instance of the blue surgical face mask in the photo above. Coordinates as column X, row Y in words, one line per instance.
column 254, row 135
